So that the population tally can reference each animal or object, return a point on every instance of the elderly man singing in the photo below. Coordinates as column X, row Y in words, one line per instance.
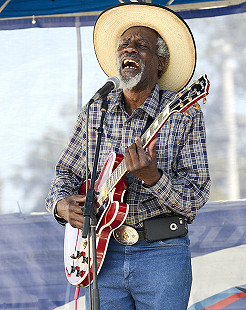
column 152, row 51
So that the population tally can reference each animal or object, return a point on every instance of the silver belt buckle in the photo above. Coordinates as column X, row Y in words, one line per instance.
column 126, row 235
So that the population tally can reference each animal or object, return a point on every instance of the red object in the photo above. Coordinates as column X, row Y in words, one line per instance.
column 225, row 302
column 76, row 296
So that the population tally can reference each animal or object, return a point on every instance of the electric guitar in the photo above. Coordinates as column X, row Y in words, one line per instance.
column 111, row 186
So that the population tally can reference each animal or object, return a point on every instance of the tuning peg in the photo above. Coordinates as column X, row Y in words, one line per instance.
column 204, row 100
column 196, row 106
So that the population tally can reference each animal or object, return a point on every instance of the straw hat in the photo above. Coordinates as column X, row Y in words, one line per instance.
column 114, row 21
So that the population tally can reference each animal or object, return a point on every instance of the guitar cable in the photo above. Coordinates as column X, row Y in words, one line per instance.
column 76, row 296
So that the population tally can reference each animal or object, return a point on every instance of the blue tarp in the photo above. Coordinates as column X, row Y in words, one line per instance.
column 50, row 13
column 31, row 253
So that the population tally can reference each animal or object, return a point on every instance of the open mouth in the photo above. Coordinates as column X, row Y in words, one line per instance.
column 130, row 64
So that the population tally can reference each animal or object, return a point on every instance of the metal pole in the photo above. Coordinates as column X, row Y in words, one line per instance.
column 79, row 57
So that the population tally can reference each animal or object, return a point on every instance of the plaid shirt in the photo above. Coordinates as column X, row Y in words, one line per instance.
column 181, row 155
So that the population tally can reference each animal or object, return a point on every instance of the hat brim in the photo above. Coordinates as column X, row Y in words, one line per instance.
column 114, row 21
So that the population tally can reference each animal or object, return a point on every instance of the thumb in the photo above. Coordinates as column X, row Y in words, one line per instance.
column 152, row 148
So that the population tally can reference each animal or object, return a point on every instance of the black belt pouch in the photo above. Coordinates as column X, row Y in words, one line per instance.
column 164, row 227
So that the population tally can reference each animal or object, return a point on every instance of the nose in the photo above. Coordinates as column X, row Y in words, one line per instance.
column 131, row 48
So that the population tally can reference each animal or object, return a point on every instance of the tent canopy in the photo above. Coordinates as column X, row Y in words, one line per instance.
column 67, row 13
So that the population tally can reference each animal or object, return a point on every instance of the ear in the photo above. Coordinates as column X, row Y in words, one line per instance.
column 161, row 63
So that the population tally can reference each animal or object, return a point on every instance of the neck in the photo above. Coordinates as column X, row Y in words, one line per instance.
column 135, row 98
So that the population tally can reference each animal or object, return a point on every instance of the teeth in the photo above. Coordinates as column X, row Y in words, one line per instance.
column 129, row 63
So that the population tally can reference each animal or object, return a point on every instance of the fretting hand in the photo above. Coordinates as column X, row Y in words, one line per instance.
column 141, row 164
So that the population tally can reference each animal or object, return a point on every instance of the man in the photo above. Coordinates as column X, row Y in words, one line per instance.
column 153, row 49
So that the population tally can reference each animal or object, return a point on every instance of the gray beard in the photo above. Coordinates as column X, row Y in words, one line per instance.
column 131, row 82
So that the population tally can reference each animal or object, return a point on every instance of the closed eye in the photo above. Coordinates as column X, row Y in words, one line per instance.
column 141, row 45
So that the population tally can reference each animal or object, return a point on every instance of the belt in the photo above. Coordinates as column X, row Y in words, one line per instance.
column 128, row 235
column 154, row 229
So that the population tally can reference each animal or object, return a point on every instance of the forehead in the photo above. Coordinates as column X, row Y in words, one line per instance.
column 144, row 33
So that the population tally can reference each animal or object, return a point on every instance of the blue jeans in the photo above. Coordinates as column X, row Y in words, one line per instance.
column 145, row 276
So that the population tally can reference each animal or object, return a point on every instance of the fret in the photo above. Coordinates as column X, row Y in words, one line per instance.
column 160, row 119
column 143, row 140
column 116, row 175
column 156, row 124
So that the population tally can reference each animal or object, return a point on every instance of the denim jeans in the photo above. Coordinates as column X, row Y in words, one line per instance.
column 145, row 276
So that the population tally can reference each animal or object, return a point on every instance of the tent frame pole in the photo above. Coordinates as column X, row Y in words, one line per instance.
column 80, row 71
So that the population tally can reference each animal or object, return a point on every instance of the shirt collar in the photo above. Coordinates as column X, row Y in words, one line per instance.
column 150, row 105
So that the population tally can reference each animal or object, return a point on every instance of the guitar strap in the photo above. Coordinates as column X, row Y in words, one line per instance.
column 130, row 177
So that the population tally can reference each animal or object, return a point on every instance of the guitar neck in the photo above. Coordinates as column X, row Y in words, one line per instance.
column 116, row 175
column 150, row 133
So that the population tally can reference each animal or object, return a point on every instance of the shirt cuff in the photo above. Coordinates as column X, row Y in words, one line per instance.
column 59, row 219
column 161, row 187
column 151, row 186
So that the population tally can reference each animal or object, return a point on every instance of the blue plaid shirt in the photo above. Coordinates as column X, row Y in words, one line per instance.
column 181, row 155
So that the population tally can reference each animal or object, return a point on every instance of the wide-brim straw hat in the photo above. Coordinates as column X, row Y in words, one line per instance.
column 114, row 21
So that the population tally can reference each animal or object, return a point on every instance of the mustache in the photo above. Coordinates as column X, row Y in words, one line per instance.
column 131, row 56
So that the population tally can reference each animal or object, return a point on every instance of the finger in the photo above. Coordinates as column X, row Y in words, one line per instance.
column 76, row 209
column 75, row 215
column 76, row 201
column 143, row 157
column 76, row 222
column 152, row 148
column 78, row 198
column 139, row 145
column 69, row 204
column 131, row 155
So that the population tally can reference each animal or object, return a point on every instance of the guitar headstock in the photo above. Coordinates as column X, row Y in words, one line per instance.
column 191, row 94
